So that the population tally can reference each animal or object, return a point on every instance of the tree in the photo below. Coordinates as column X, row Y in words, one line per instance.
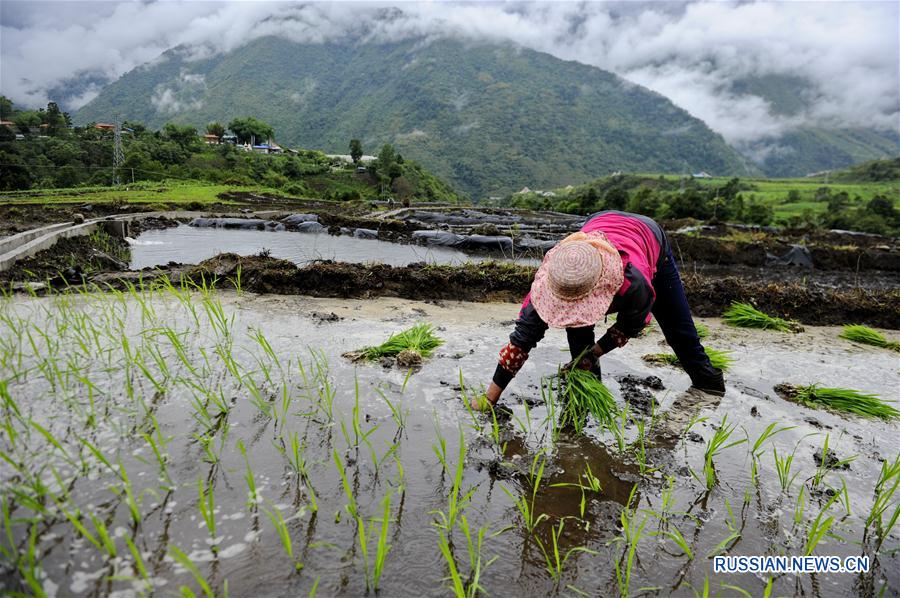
column 248, row 129
column 356, row 150
column 615, row 199
column 216, row 128
column 6, row 108
column 183, row 135
column 27, row 119
column 55, row 119
column 386, row 157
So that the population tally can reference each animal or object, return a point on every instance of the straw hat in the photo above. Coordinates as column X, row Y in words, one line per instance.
column 577, row 281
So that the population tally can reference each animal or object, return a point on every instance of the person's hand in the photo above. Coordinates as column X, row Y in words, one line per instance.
column 585, row 363
column 486, row 401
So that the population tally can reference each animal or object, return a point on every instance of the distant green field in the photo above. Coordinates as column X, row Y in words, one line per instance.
column 775, row 191
column 167, row 192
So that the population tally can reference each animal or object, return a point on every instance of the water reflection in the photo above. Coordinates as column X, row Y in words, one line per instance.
column 192, row 245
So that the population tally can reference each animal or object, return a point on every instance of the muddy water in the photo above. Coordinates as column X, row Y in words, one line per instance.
column 191, row 245
column 250, row 556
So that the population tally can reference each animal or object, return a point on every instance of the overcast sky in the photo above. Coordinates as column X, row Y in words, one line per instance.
column 690, row 52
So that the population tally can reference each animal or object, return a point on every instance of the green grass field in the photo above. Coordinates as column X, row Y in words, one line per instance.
column 774, row 192
column 166, row 192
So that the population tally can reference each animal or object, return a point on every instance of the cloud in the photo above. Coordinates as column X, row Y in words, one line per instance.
column 696, row 54
column 187, row 93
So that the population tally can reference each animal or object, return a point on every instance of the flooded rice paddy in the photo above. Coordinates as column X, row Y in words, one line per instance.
column 170, row 441
column 192, row 245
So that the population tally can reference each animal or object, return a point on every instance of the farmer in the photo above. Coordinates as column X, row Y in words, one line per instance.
column 618, row 263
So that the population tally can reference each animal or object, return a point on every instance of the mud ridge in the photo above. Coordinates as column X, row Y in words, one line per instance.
column 487, row 282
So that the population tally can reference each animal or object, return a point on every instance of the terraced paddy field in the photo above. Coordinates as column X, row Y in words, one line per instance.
column 186, row 440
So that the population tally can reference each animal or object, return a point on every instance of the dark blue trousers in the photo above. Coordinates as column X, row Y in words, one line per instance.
column 672, row 312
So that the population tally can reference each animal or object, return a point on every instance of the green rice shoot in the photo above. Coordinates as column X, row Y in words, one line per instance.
column 702, row 330
column 584, row 394
column 721, row 360
column 842, row 400
column 419, row 339
column 744, row 315
column 868, row 336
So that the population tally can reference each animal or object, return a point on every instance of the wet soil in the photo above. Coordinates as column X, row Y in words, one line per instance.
column 806, row 301
column 716, row 250
column 809, row 303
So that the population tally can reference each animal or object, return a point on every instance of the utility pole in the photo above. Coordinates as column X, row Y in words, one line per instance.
column 118, row 154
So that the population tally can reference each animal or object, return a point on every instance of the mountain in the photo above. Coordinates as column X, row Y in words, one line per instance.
column 807, row 149
column 489, row 118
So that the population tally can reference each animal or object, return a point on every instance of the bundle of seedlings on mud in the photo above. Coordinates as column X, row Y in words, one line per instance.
column 842, row 400
column 583, row 394
column 719, row 359
column 409, row 347
column 744, row 315
column 867, row 336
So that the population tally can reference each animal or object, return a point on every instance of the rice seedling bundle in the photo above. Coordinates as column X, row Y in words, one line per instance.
column 867, row 336
column 585, row 395
column 745, row 315
column 719, row 359
column 702, row 330
column 420, row 340
column 843, row 400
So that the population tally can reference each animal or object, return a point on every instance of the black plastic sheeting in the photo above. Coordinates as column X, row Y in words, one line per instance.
column 474, row 242
column 529, row 243
column 466, row 217
column 237, row 223
column 365, row 233
column 797, row 255
column 294, row 219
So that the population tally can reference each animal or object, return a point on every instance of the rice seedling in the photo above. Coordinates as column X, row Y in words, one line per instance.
column 284, row 534
column 884, row 492
column 617, row 427
column 819, row 528
column 714, row 446
column 868, row 336
column 524, row 506
column 253, row 495
column 674, row 534
column 206, row 503
column 457, row 501
column 783, row 467
column 460, row 590
column 186, row 562
column 842, row 400
column 398, row 412
column 744, row 315
column 756, row 450
column 351, row 506
column 632, row 532
column 585, row 395
column 139, row 564
column 420, row 340
column 590, row 484
column 827, row 464
column 318, row 385
column 475, row 548
column 721, row 360
column 640, row 449
column 733, row 536
column 373, row 573
column 554, row 558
